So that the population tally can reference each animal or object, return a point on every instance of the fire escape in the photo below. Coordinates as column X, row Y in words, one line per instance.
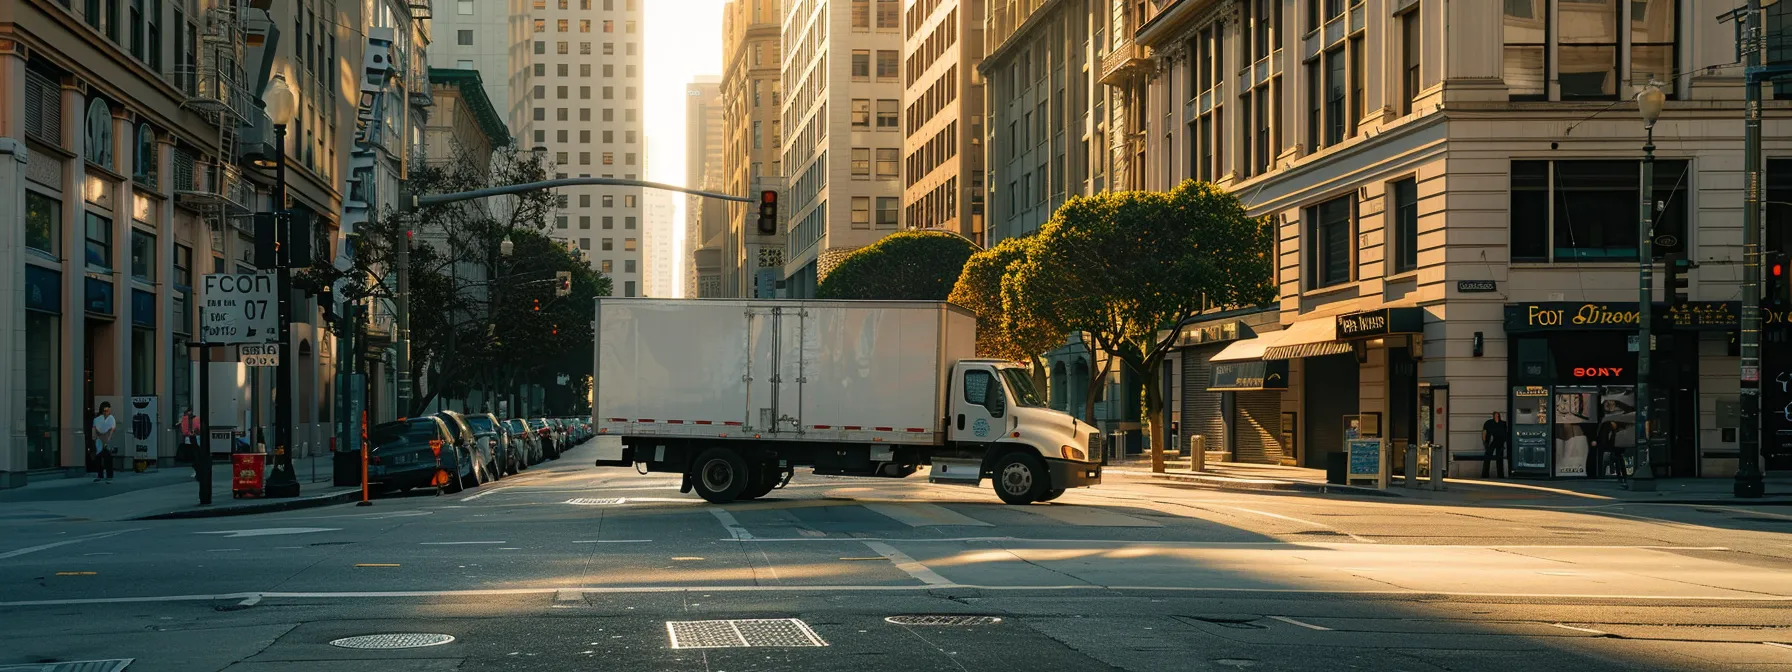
column 216, row 89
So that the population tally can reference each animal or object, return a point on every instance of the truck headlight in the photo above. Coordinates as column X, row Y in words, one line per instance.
column 1073, row 453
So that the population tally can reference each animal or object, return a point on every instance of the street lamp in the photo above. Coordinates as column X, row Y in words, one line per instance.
column 1648, row 102
column 506, row 248
column 282, row 105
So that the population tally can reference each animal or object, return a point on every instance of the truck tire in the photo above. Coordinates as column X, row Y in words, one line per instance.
column 765, row 479
column 1051, row 494
column 720, row 475
column 1021, row 478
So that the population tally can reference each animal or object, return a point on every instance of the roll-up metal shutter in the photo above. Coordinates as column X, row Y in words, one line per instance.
column 1202, row 412
column 1257, row 427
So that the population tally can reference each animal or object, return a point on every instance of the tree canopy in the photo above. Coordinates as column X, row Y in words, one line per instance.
column 907, row 265
column 979, row 289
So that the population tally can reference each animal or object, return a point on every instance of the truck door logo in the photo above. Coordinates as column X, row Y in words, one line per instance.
column 980, row 427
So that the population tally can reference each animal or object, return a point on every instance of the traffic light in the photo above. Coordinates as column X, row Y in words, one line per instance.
column 1778, row 290
column 562, row 283
column 768, row 212
column 538, row 305
column 1675, row 266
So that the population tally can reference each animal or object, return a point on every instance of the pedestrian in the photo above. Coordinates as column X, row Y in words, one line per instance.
column 1495, row 436
column 104, row 426
column 1611, row 455
column 189, row 440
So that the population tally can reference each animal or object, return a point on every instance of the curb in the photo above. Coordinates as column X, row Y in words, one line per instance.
column 264, row 506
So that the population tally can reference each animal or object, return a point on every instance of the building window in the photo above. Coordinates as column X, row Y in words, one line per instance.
column 143, row 256
column 861, row 113
column 1409, row 60
column 609, row 244
column 628, row 266
column 861, row 14
column 861, row 64
column 1335, row 124
column 541, row 25
column 560, row 221
column 585, row 222
column 886, row 63
column 143, row 361
column 541, row 47
column 629, row 244
column 1328, row 241
column 887, row 161
column 609, row 222
column 887, row 110
column 43, row 223
column 560, row 48
column 1587, row 39
column 629, row 222
column 605, row 265
column 628, row 288
column 861, row 212
column 99, row 241
column 609, row 201
column 861, row 162
column 887, row 211
column 1406, row 224
column 1586, row 211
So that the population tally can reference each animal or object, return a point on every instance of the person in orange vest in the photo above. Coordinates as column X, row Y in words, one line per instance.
column 189, row 439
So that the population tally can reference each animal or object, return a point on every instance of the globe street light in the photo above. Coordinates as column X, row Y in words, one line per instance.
column 1648, row 103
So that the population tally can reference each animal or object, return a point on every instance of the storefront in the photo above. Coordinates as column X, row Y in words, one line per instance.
column 1230, row 397
column 1573, row 385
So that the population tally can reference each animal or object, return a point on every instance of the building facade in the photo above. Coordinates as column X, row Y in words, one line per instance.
column 586, row 106
column 752, row 143
column 1455, row 187
column 841, row 62
column 942, row 116
column 494, row 39
column 659, row 231
column 706, row 220
column 133, row 162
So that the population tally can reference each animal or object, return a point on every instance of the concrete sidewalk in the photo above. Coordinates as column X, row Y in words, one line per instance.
column 163, row 493
column 1266, row 477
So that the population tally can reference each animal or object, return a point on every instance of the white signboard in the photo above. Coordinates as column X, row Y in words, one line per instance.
column 143, row 423
column 239, row 308
column 260, row 355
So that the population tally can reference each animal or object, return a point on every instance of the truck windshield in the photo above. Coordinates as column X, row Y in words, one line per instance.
column 1022, row 386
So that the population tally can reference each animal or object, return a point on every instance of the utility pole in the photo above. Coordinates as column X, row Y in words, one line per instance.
column 282, row 482
column 1649, row 102
column 1748, row 469
column 402, row 339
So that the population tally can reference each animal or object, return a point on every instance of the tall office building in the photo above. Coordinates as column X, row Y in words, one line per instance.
column 659, row 262
column 585, row 108
column 706, row 220
column 828, row 113
column 752, row 141
column 942, row 111
column 491, row 37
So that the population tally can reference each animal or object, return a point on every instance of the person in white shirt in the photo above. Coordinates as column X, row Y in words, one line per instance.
column 104, row 426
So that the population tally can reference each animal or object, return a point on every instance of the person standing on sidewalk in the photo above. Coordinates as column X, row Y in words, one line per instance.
column 1495, row 435
column 104, row 426
column 189, row 439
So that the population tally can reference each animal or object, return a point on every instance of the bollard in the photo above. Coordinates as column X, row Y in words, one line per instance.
column 1440, row 465
column 1411, row 473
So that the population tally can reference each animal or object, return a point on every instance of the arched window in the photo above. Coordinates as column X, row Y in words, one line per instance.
column 98, row 140
column 145, row 156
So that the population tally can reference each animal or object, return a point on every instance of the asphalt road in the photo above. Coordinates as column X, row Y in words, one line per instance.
column 571, row 567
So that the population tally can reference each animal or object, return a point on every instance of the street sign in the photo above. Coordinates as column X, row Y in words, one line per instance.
column 239, row 308
column 260, row 355
column 1751, row 374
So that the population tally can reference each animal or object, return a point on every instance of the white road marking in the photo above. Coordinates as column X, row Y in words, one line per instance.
column 1308, row 626
column 1782, row 645
column 739, row 533
column 614, row 541
column 1565, row 626
column 220, row 550
column 250, row 601
column 908, row 564
column 1223, row 544
column 482, row 493
column 920, row 514
column 457, row 543
column 886, row 588
column 65, row 542
column 270, row 531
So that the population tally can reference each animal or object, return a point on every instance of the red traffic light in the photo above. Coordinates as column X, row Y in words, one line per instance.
column 768, row 197
column 538, row 305
column 1778, row 270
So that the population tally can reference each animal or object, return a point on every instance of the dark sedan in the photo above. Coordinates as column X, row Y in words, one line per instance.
column 407, row 453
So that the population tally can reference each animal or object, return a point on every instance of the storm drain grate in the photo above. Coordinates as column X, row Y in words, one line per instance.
column 397, row 640
column 112, row 665
column 740, row 633
column 943, row 620
column 587, row 501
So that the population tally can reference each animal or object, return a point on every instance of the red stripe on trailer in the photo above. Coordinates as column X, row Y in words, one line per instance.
column 885, row 429
column 852, row 428
column 731, row 424
column 674, row 422
column 703, row 422
column 618, row 419
column 822, row 426
column 645, row 420
column 917, row 429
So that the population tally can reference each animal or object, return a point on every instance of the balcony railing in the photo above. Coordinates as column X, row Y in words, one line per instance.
column 1124, row 60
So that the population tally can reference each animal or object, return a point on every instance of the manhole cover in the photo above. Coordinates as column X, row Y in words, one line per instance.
column 740, row 633
column 112, row 665
column 397, row 640
column 586, row 501
column 940, row 619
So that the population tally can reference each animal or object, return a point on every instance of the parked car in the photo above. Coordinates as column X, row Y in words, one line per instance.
column 469, row 455
column 550, row 448
column 524, row 441
column 496, row 442
column 399, row 454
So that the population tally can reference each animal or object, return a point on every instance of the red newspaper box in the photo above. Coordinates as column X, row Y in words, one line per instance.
column 245, row 474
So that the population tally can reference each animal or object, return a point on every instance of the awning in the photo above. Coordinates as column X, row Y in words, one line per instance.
column 1315, row 337
column 1250, row 349
column 1249, row 376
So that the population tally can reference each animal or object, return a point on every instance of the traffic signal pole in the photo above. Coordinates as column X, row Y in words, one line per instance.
column 1748, row 468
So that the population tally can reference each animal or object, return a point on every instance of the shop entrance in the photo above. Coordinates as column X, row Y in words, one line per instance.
column 1329, row 392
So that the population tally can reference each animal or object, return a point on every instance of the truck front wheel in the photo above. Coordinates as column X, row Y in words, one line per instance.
column 720, row 475
column 1021, row 478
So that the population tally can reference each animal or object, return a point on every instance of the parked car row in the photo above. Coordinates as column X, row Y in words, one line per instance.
column 453, row 451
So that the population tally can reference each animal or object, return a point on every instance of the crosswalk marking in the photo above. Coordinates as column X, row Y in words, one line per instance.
column 1087, row 516
column 920, row 514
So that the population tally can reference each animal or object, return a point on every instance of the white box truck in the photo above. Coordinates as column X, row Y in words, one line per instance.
column 735, row 394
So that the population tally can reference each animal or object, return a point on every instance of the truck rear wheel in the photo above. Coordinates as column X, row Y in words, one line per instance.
column 1021, row 478
column 1051, row 494
column 720, row 475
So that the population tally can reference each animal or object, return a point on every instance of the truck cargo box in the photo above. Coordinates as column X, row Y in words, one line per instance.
column 785, row 370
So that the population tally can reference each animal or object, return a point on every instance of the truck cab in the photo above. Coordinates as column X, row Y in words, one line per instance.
column 999, row 424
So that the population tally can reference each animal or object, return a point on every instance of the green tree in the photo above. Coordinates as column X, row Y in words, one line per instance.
column 908, row 265
column 1125, row 267
column 979, row 289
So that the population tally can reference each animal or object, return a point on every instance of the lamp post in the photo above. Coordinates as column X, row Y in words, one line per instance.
column 505, row 250
column 282, row 105
column 1648, row 102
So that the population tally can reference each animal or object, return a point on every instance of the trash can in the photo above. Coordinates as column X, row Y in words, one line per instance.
column 1337, row 468
column 246, row 474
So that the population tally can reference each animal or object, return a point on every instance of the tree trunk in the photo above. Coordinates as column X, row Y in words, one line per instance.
column 1154, row 401
column 1097, row 383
